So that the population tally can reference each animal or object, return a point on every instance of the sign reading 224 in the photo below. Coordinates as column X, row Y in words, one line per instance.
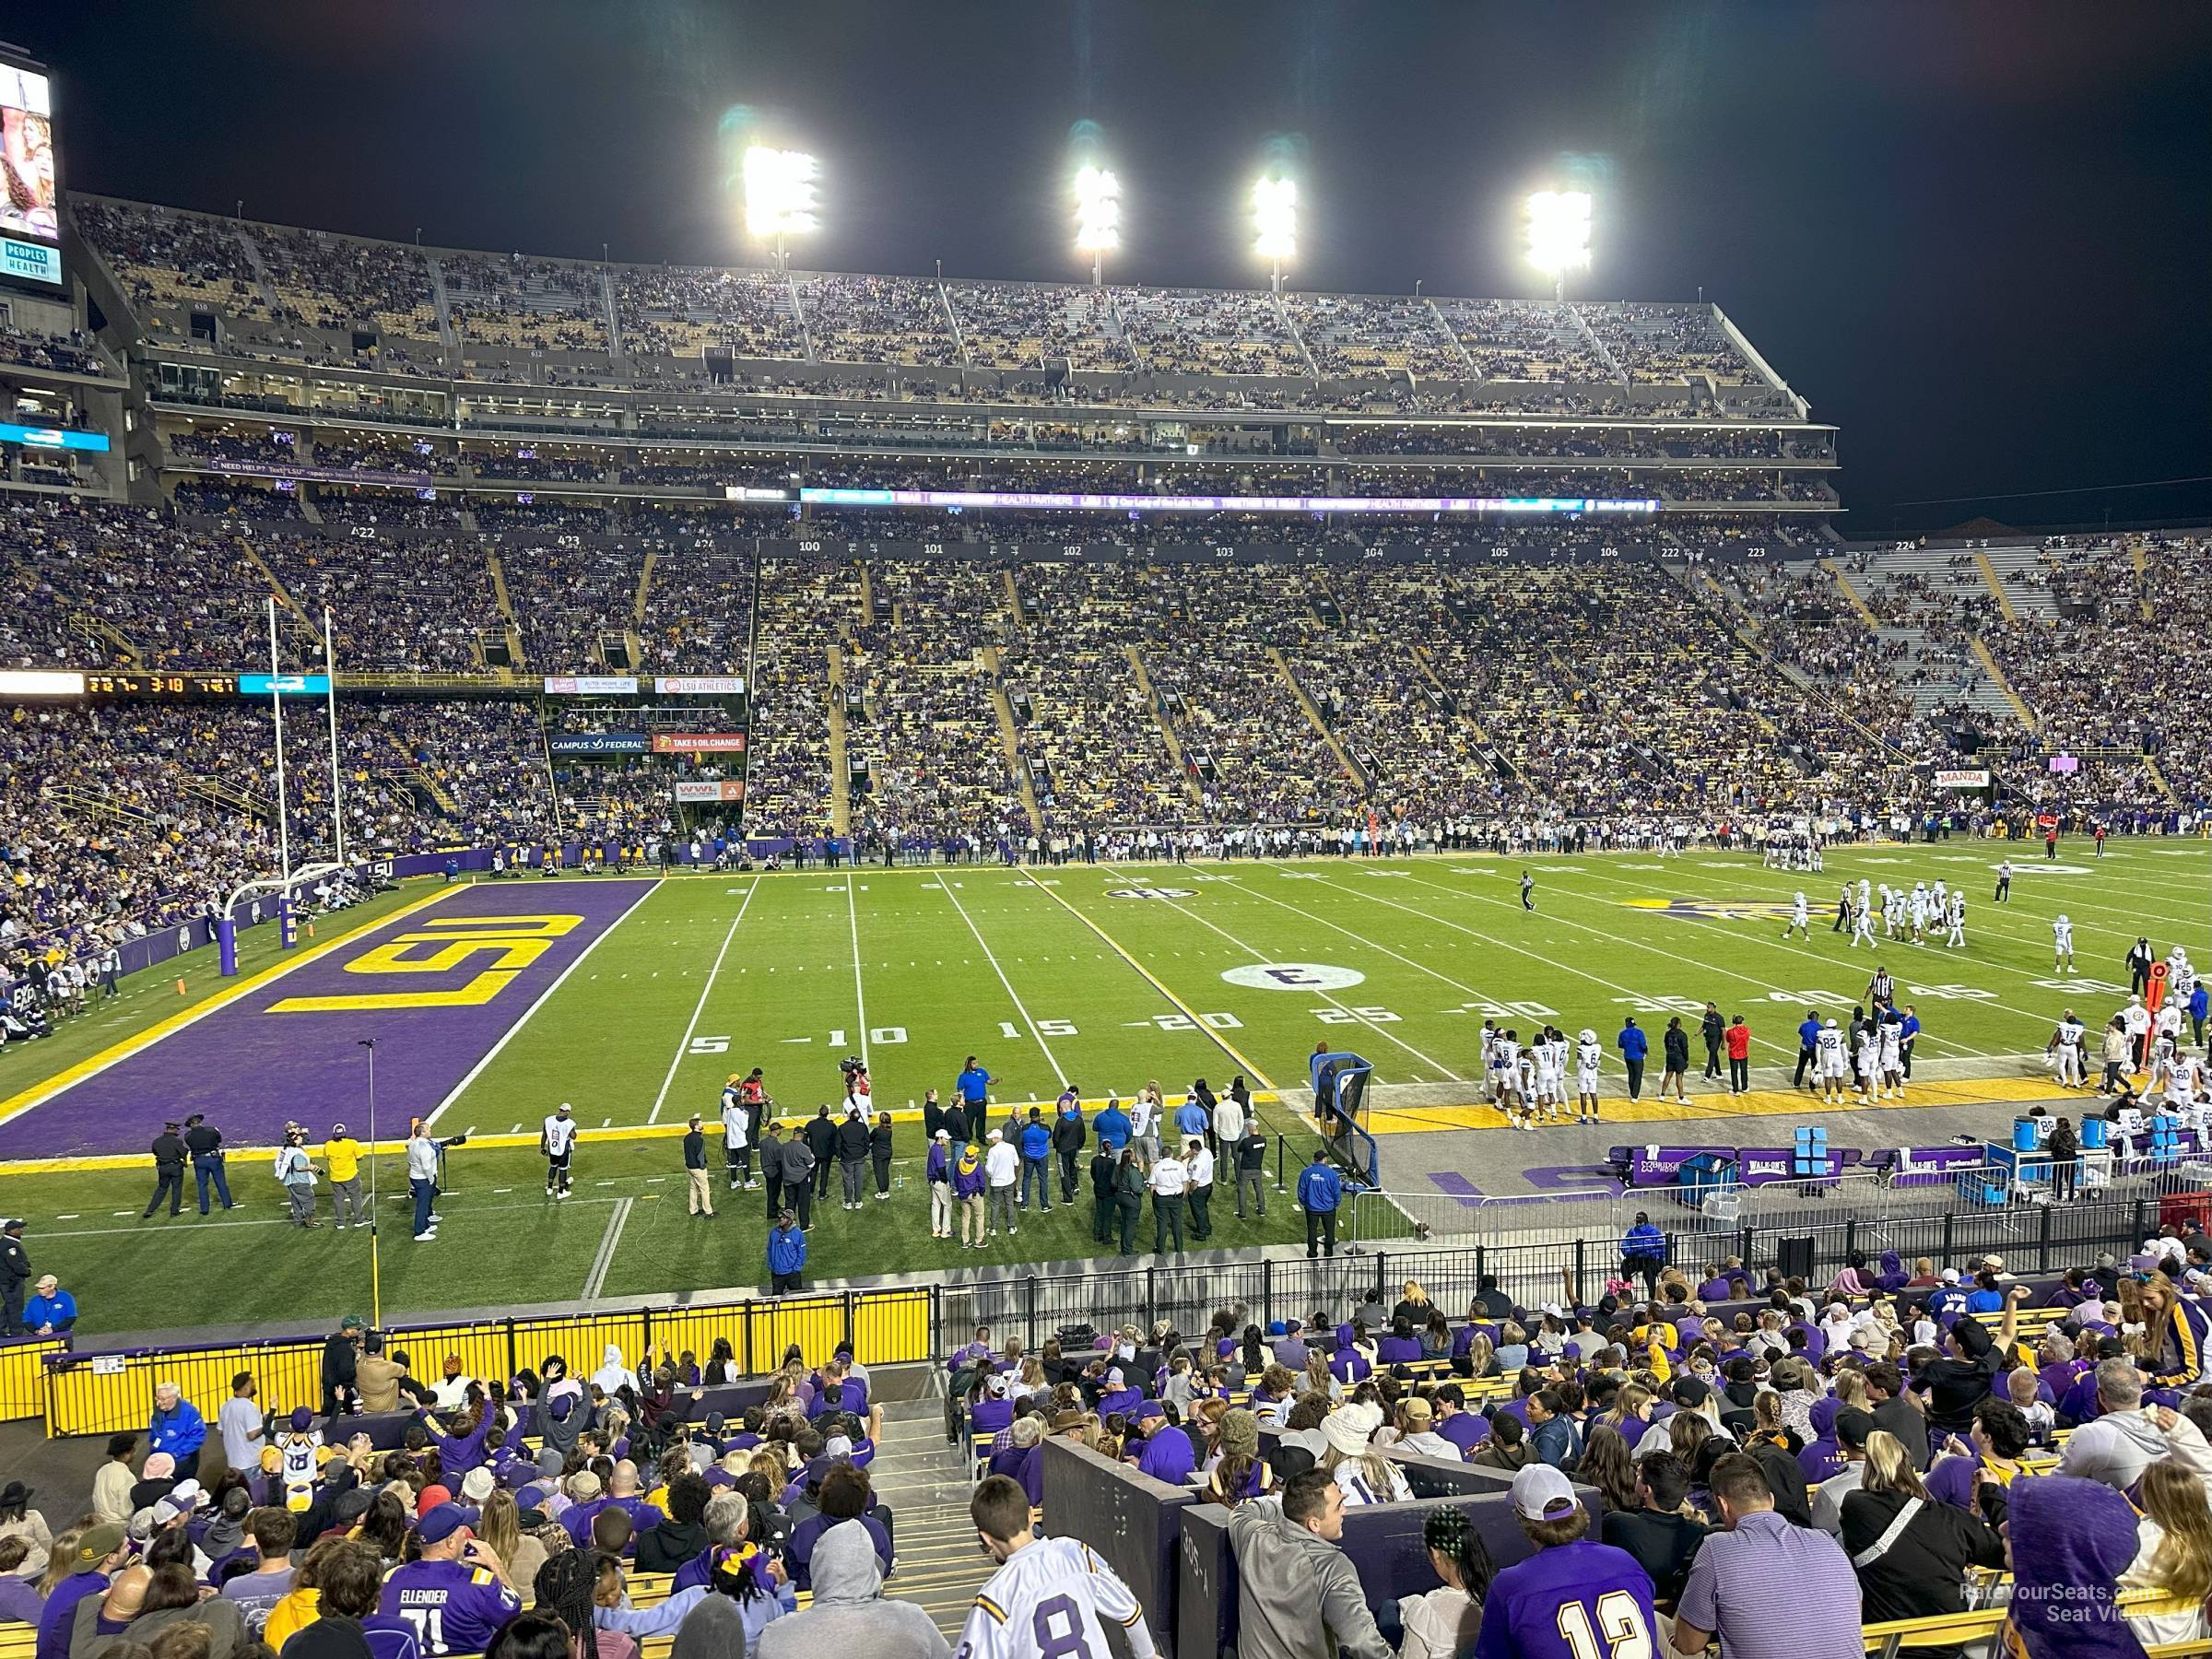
column 512, row 942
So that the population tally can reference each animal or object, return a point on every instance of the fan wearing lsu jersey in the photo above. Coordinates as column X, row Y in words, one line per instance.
column 1798, row 922
column 295, row 1456
column 1587, row 1055
column 1051, row 1598
column 453, row 1597
column 558, row 1142
column 2062, row 944
column 1573, row 1598
column 1835, row 1062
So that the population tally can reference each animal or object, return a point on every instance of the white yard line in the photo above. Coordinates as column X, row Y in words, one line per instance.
column 684, row 1047
column 1012, row 995
column 1445, row 1073
column 859, row 994
column 1534, row 956
column 596, row 1280
column 508, row 1035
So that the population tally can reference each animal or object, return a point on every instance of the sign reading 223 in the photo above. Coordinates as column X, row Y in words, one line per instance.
column 441, row 946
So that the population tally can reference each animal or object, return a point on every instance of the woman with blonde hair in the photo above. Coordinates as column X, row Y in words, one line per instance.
column 2173, row 1555
column 500, row 1527
column 1482, row 1355
column 1632, row 1413
column 1414, row 1305
column 1912, row 1565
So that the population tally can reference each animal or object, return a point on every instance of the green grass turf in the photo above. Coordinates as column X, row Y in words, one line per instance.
column 920, row 968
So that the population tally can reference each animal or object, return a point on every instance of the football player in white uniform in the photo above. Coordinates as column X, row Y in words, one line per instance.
column 1798, row 922
column 1835, row 1062
column 1869, row 1062
column 1861, row 920
column 1957, row 941
column 2062, row 943
column 2066, row 1049
column 558, row 1142
column 1892, row 1051
column 1587, row 1055
column 1918, row 911
column 1510, row 1095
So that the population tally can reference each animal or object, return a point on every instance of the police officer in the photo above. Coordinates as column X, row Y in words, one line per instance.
column 205, row 1142
column 169, row 1172
column 15, row 1273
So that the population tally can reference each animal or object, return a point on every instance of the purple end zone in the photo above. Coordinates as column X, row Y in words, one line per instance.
column 251, row 1066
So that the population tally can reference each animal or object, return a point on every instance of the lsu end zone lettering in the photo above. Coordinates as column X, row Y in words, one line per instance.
column 445, row 944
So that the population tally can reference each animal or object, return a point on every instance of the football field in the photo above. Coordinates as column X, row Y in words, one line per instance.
column 634, row 998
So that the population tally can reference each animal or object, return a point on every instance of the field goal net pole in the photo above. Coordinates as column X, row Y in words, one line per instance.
column 226, row 925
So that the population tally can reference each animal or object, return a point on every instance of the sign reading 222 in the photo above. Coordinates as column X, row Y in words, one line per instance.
column 513, row 943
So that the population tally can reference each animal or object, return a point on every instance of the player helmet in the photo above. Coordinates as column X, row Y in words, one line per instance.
column 1831, row 1022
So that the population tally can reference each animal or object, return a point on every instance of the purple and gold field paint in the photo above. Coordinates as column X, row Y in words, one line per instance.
column 439, row 990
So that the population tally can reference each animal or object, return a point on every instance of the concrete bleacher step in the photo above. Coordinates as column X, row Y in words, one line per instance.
column 925, row 1482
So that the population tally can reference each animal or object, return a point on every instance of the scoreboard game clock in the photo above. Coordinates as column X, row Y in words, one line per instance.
column 161, row 687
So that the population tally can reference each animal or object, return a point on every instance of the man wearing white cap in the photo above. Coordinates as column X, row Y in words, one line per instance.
column 1572, row 1597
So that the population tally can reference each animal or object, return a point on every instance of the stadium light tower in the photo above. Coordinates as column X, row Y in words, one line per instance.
column 1559, row 235
column 1275, row 223
column 779, row 198
column 1097, row 218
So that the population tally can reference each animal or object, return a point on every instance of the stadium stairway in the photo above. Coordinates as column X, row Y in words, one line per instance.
column 926, row 1483
column 840, row 761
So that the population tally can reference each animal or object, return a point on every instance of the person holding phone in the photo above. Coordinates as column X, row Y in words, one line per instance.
column 457, row 1596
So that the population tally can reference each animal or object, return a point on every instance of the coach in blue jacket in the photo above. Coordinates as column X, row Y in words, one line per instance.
column 786, row 1253
column 1320, row 1191
column 1634, row 1046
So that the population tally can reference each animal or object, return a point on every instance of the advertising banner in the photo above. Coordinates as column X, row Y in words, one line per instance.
column 701, row 685
column 689, row 793
column 591, row 685
column 1963, row 778
column 596, row 743
column 699, row 742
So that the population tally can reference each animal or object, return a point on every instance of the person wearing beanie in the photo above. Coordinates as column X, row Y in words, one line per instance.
column 1238, row 1474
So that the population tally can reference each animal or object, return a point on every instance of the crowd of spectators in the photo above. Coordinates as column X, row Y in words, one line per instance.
column 75, row 353
column 808, row 608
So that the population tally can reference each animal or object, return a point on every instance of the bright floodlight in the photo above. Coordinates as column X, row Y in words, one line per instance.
column 1558, row 231
column 1274, row 220
column 778, row 192
column 1098, row 211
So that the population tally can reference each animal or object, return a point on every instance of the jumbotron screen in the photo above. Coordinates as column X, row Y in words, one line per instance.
column 30, row 227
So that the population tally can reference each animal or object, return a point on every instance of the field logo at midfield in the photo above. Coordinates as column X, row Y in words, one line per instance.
column 1151, row 892
column 444, row 944
column 1294, row 976
column 1716, row 909
column 2036, row 867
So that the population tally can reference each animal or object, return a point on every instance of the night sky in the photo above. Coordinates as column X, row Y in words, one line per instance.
column 1977, row 236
